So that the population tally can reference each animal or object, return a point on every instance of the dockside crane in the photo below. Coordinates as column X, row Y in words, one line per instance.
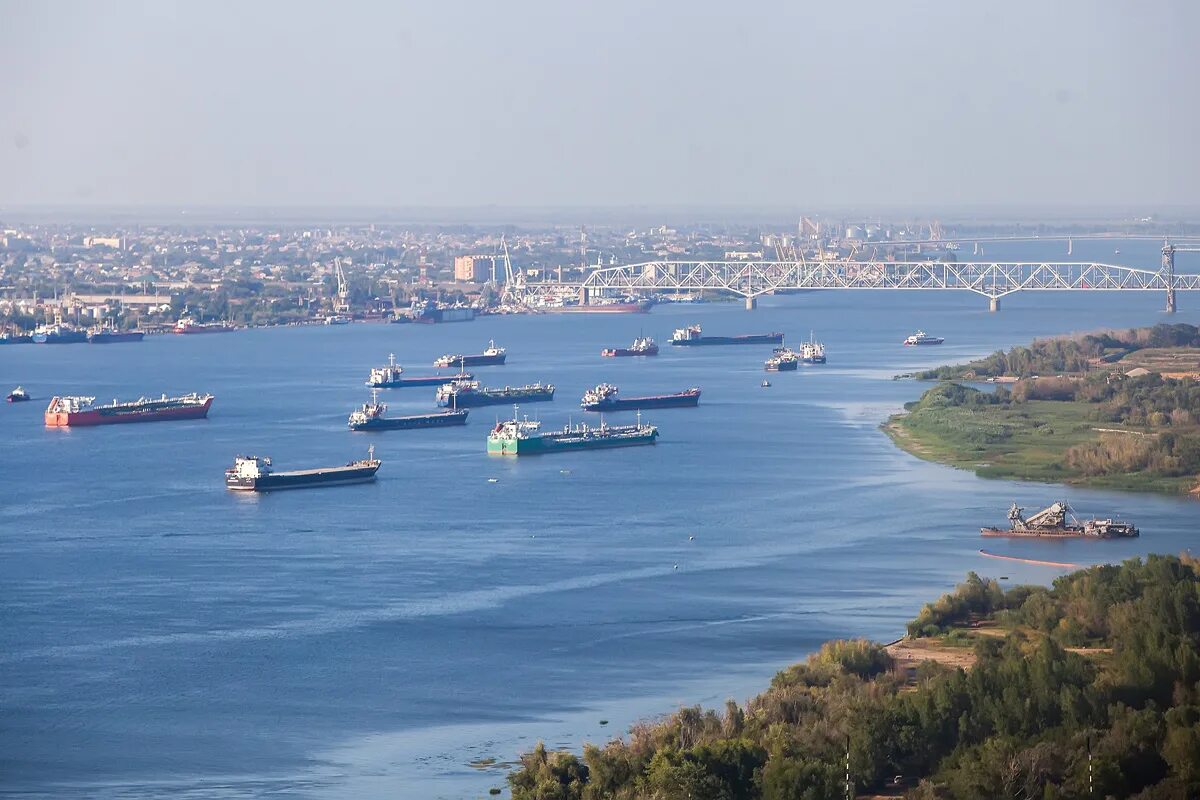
column 342, row 306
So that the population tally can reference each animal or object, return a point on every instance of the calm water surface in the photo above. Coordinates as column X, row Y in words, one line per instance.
column 163, row 636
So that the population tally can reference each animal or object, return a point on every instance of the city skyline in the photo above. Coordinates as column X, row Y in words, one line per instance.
column 535, row 106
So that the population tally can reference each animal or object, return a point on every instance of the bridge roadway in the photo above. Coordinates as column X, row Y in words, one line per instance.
column 992, row 279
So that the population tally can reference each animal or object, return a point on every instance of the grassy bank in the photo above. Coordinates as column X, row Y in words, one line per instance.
column 1026, row 441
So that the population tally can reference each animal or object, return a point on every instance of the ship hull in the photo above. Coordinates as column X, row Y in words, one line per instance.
column 928, row 343
column 59, row 338
column 444, row 419
column 785, row 366
column 303, row 479
column 549, row 444
column 685, row 400
column 619, row 352
column 424, row 380
column 16, row 339
column 478, row 360
column 440, row 315
column 707, row 341
column 1058, row 533
column 475, row 399
column 816, row 360
column 603, row 308
column 90, row 417
column 108, row 337
column 192, row 330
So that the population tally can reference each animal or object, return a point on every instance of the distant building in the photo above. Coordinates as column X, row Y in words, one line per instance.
column 115, row 242
column 473, row 269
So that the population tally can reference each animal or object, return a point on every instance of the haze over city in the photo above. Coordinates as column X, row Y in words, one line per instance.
column 768, row 105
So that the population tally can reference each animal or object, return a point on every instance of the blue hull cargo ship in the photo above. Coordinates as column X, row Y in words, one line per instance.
column 691, row 337
column 255, row 474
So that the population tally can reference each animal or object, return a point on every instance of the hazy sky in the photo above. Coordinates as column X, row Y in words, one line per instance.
column 455, row 103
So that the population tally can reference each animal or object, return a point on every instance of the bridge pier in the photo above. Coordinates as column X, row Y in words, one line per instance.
column 751, row 303
column 993, row 304
column 584, row 295
column 1170, row 301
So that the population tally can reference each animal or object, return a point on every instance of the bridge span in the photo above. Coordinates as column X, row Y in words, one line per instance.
column 991, row 279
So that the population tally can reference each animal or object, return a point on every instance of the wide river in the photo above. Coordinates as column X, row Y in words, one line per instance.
column 163, row 636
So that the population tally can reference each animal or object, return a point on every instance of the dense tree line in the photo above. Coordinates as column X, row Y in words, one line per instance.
column 1018, row 724
column 1069, row 354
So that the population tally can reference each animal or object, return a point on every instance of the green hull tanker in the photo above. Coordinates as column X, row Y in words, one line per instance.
column 523, row 437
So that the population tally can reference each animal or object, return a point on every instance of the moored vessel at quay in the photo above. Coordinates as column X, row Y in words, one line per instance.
column 604, row 398
column 188, row 325
column 642, row 346
column 58, row 333
column 492, row 355
column 433, row 313
column 639, row 306
column 692, row 336
column 372, row 417
column 64, row 412
column 466, row 394
column 391, row 376
column 524, row 437
column 1058, row 522
column 257, row 474
column 108, row 334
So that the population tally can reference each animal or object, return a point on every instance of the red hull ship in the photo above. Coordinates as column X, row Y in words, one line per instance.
column 67, row 412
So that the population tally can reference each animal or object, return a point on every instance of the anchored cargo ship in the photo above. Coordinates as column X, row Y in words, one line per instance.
column 64, row 412
column 392, row 377
column 691, row 337
column 522, row 437
column 256, row 474
column 812, row 352
column 642, row 346
column 1057, row 522
column 604, row 398
column 784, row 360
column 371, row 417
column 492, row 355
column 466, row 394
column 108, row 334
column 922, row 338
column 187, row 325
column 58, row 333
column 18, row 395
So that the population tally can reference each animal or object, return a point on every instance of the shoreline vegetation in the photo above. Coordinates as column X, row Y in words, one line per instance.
column 1088, row 688
column 1114, row 410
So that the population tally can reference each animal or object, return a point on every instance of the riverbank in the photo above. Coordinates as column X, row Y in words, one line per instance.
column 1032, row 687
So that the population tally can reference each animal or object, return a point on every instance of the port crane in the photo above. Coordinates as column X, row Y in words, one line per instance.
column 342, row 306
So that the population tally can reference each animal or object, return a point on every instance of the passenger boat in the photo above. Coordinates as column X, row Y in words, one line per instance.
column 922, row 338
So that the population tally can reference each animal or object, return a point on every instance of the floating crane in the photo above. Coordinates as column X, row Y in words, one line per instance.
column 1058, row 520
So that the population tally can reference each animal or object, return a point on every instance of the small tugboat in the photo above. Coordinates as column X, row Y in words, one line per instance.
column 766, row 384
column 492, row 355
column 691, row 336
column 370, row 417
column 604, row 398
column 465, row 394
column 18, row 395
column 518, row 437
column 784, row 360
column 392, row 376
column 255, row 474
column 922, row 338
column 1058, row 522
column 642, row 346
